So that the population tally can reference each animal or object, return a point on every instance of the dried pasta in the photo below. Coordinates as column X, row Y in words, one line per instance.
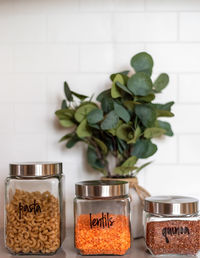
column 33, row 223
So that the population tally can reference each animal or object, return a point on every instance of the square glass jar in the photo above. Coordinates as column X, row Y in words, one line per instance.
column 102, row 218
column 172, row 225
column 33, row 208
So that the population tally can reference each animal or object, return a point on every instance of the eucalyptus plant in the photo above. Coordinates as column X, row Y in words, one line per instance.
column 123, row 120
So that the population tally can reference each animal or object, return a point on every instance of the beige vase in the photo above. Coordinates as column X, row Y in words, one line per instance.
column 137, row 196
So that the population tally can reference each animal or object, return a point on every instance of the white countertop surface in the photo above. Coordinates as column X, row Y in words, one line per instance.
column 67, row 251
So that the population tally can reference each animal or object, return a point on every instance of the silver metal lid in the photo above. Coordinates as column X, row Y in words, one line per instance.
column 101, row 189
column 35, row 169
column 171, row 205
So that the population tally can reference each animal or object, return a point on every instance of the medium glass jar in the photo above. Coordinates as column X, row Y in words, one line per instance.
column 172, row 225
column 33, row 207
column 102, row 217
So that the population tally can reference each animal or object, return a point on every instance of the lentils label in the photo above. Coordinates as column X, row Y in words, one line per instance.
column 104, row 221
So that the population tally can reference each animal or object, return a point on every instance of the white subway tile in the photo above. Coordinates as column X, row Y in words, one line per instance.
column 172, row 5
column 96, row 6
column 96, row 58
column 62, row 58
column 46, row 58
column 86, row 84
column 88, row 27
column 186, row 119
column 189, row 148
column 137, row 27
column 7, row 151
column 29, row 28
column 189, row 90
column 30, row 58
column 6, row 58
column 167, row 147
column 128, row 5
column 123, row 54
column 189, row 26
column 6, row 27
column 45, row 6
column 177, row 57
column 23, row 88
column 31, row 118
column 7, row 118
column 172, row 179
column 30, row 147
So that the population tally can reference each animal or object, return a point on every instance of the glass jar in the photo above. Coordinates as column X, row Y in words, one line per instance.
column 102, row 217
column 172, row 225
column 33, row 208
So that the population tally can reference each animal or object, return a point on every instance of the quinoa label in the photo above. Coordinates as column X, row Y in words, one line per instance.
column 34, row 207
column 104, row 221
column 170, row 231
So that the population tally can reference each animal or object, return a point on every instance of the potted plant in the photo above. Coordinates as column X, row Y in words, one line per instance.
column 121, row 124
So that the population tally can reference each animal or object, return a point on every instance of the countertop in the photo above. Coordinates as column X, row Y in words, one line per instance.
column 67, row 251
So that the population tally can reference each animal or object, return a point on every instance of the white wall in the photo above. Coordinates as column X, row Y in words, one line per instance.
column 44, row 42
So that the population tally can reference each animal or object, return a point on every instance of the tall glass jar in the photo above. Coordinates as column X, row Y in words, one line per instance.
column 172, row 225
column 102, row 217
column 33, row 208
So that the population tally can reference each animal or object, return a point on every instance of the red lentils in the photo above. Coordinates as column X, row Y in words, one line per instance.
column 112, row 237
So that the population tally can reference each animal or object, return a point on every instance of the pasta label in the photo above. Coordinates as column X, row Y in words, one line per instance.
column 33, row 207
column 104, row 221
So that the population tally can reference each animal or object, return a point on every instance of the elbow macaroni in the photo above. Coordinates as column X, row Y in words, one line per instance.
column 33, row 232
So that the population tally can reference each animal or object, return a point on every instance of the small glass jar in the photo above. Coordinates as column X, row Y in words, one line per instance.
column 172, row 225
column 33, row 207
column 102, row 218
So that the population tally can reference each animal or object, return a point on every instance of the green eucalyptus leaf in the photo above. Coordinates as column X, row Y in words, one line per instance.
column 95, row 116
column 142, row 62
column 83, row 130
column 161, row 82
column 130, row 162
column 93, row 159
column 79, row 96
column 64, row 104
column 141, row 167
column 113, row 131
column 107, row 104
column 73, row 141
column 124, row 74
column 143, row 148
column 83, row 110
column 137, row 134
column 130, row 105
column 67, row 123
column 64, row 113
column 166, row 106
column 110, row 121
column 124, row 170
column 147, row 98
column 166, row 126
column 124, row 88
column 67, row 91
column 115, row 92
column 123, row 132
column 153, row 132
column 101, row 145
column 164, row 113
column 122, row 112
column 65, row 137
column 146, row 114
column 121, row 145
column 140, row 84
column 103, row 94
